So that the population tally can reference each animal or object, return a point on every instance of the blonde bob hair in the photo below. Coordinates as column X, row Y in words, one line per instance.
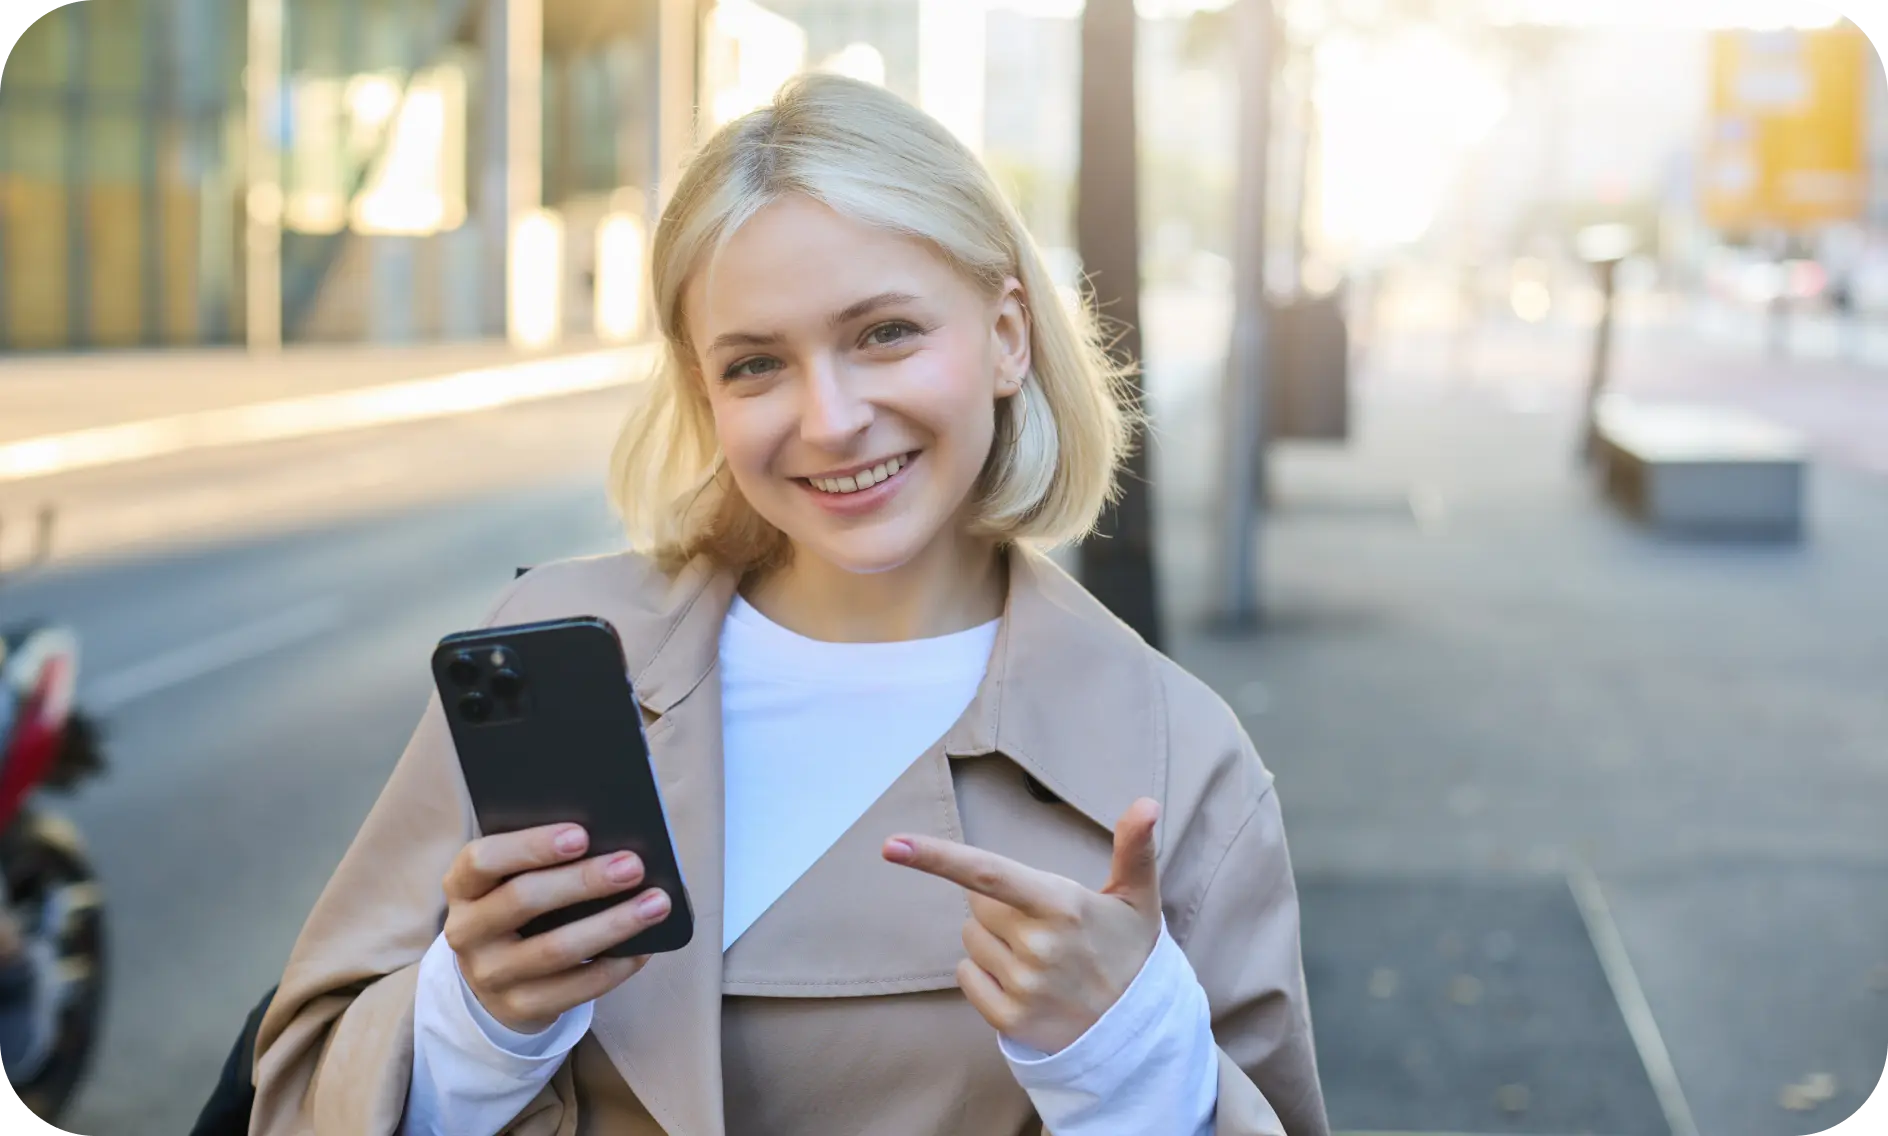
column 870, row 156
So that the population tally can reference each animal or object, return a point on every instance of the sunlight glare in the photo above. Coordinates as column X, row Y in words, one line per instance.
column 1397, row 117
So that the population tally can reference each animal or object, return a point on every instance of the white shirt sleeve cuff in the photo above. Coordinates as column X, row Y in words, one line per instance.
column 558, row 1039
column 471, row 1075
column 1140, row 1006
column 1150, row 1064
column 470, row 1030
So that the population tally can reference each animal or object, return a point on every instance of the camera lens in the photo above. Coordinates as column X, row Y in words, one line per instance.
column 475, row 706
column 506, row 683
column 463, row 670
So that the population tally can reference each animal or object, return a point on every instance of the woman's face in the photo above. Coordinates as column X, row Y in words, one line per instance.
column 854, row 377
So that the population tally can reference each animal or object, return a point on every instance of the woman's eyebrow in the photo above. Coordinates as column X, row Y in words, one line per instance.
column 839, row 319
column 871, row 304
column 744, row 339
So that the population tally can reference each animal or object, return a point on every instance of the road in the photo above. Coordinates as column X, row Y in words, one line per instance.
column 1460, row 699
column 258, row 622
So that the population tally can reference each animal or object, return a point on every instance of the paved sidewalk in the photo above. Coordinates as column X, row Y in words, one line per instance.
column 43, row 395
column 1475, row 681
column 1842, row 407
column 119, row 416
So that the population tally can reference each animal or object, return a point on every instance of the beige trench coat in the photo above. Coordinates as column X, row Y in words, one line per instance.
column 837, row 1012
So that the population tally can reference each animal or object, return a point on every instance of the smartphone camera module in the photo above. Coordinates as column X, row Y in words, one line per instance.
column 506, row 683
column 475, row 707
column 483, row 684
column 464, row 670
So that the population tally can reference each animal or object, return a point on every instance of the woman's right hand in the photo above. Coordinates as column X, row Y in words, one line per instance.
column 499, row 883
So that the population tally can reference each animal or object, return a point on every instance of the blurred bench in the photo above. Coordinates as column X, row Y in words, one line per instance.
column 1700, row 470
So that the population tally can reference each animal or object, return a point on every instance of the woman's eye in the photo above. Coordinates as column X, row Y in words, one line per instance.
column 887, row 334
column 751, row 368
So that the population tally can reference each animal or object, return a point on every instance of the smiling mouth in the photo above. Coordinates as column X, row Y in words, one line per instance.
column 861, row 480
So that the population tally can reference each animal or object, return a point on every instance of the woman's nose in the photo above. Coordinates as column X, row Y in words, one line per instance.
column 832, row 413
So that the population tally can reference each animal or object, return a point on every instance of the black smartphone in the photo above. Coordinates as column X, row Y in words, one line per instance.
column 549, row 731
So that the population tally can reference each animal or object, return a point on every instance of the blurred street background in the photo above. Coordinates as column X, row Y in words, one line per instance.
column 317, row 319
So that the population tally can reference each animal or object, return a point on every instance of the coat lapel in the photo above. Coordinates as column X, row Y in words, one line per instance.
column 1059, row 648
column 855, row 925
column 662, row 1028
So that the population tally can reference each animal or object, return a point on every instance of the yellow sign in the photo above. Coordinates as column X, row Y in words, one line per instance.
column 1789, row 112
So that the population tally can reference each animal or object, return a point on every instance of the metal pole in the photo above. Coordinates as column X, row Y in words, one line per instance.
column 678, row 48
column 1780, row 313
column 262, row 242
column 1242, row 425
column 78, row 147
column 157, row 100
column 1301, row 88
column 512, row 176
column 1118, row 565
column 1602, row 355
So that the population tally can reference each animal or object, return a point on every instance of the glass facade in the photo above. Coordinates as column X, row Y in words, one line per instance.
column 118, row 206
column 376, row 118
column 123, row 131
column 599, row 120
column 889, row 27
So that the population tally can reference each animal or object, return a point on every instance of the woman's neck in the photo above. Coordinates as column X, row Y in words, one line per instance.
column 950, row 587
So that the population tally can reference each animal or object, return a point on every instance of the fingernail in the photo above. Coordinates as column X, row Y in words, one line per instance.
column 625, row 868
column 570, row 840
column 899, row 851
column 653, row 906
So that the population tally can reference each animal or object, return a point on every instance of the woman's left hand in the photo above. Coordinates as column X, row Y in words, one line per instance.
column 1047, row 955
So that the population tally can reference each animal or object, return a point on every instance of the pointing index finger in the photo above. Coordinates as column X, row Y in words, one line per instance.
column 1000, row 878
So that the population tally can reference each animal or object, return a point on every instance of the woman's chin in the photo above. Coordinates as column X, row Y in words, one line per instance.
column 861, row 558
column 862, row 552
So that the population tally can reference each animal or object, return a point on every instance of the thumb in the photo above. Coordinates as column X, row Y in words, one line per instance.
column 1133, row 875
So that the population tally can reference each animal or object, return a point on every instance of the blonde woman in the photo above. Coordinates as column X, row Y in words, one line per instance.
column 965, row 855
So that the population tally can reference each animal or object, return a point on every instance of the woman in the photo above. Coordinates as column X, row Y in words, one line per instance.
column 965, row 855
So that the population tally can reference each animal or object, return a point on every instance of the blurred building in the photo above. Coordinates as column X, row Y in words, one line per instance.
column 410, row 158
column 888, row 29
column 229, row 171
column 1600, row 122
column 929, row 51
column 1032, row 80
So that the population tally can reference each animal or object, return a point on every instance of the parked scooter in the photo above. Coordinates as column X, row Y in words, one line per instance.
column 52, row 941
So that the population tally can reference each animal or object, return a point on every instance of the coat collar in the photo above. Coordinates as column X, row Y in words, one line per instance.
column 670, row 626
column 1058, row 648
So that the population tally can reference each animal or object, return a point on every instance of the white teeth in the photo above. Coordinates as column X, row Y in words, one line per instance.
column 865, row 479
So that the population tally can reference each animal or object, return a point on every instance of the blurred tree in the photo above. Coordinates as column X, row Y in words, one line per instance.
column 1117, row 564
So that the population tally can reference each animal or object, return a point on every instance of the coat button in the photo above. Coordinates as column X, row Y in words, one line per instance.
column 1040, row 791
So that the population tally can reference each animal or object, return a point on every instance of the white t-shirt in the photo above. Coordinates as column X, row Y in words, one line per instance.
column 812, row 734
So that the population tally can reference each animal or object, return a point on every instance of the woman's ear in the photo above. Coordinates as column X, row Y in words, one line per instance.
column 1011, row 335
